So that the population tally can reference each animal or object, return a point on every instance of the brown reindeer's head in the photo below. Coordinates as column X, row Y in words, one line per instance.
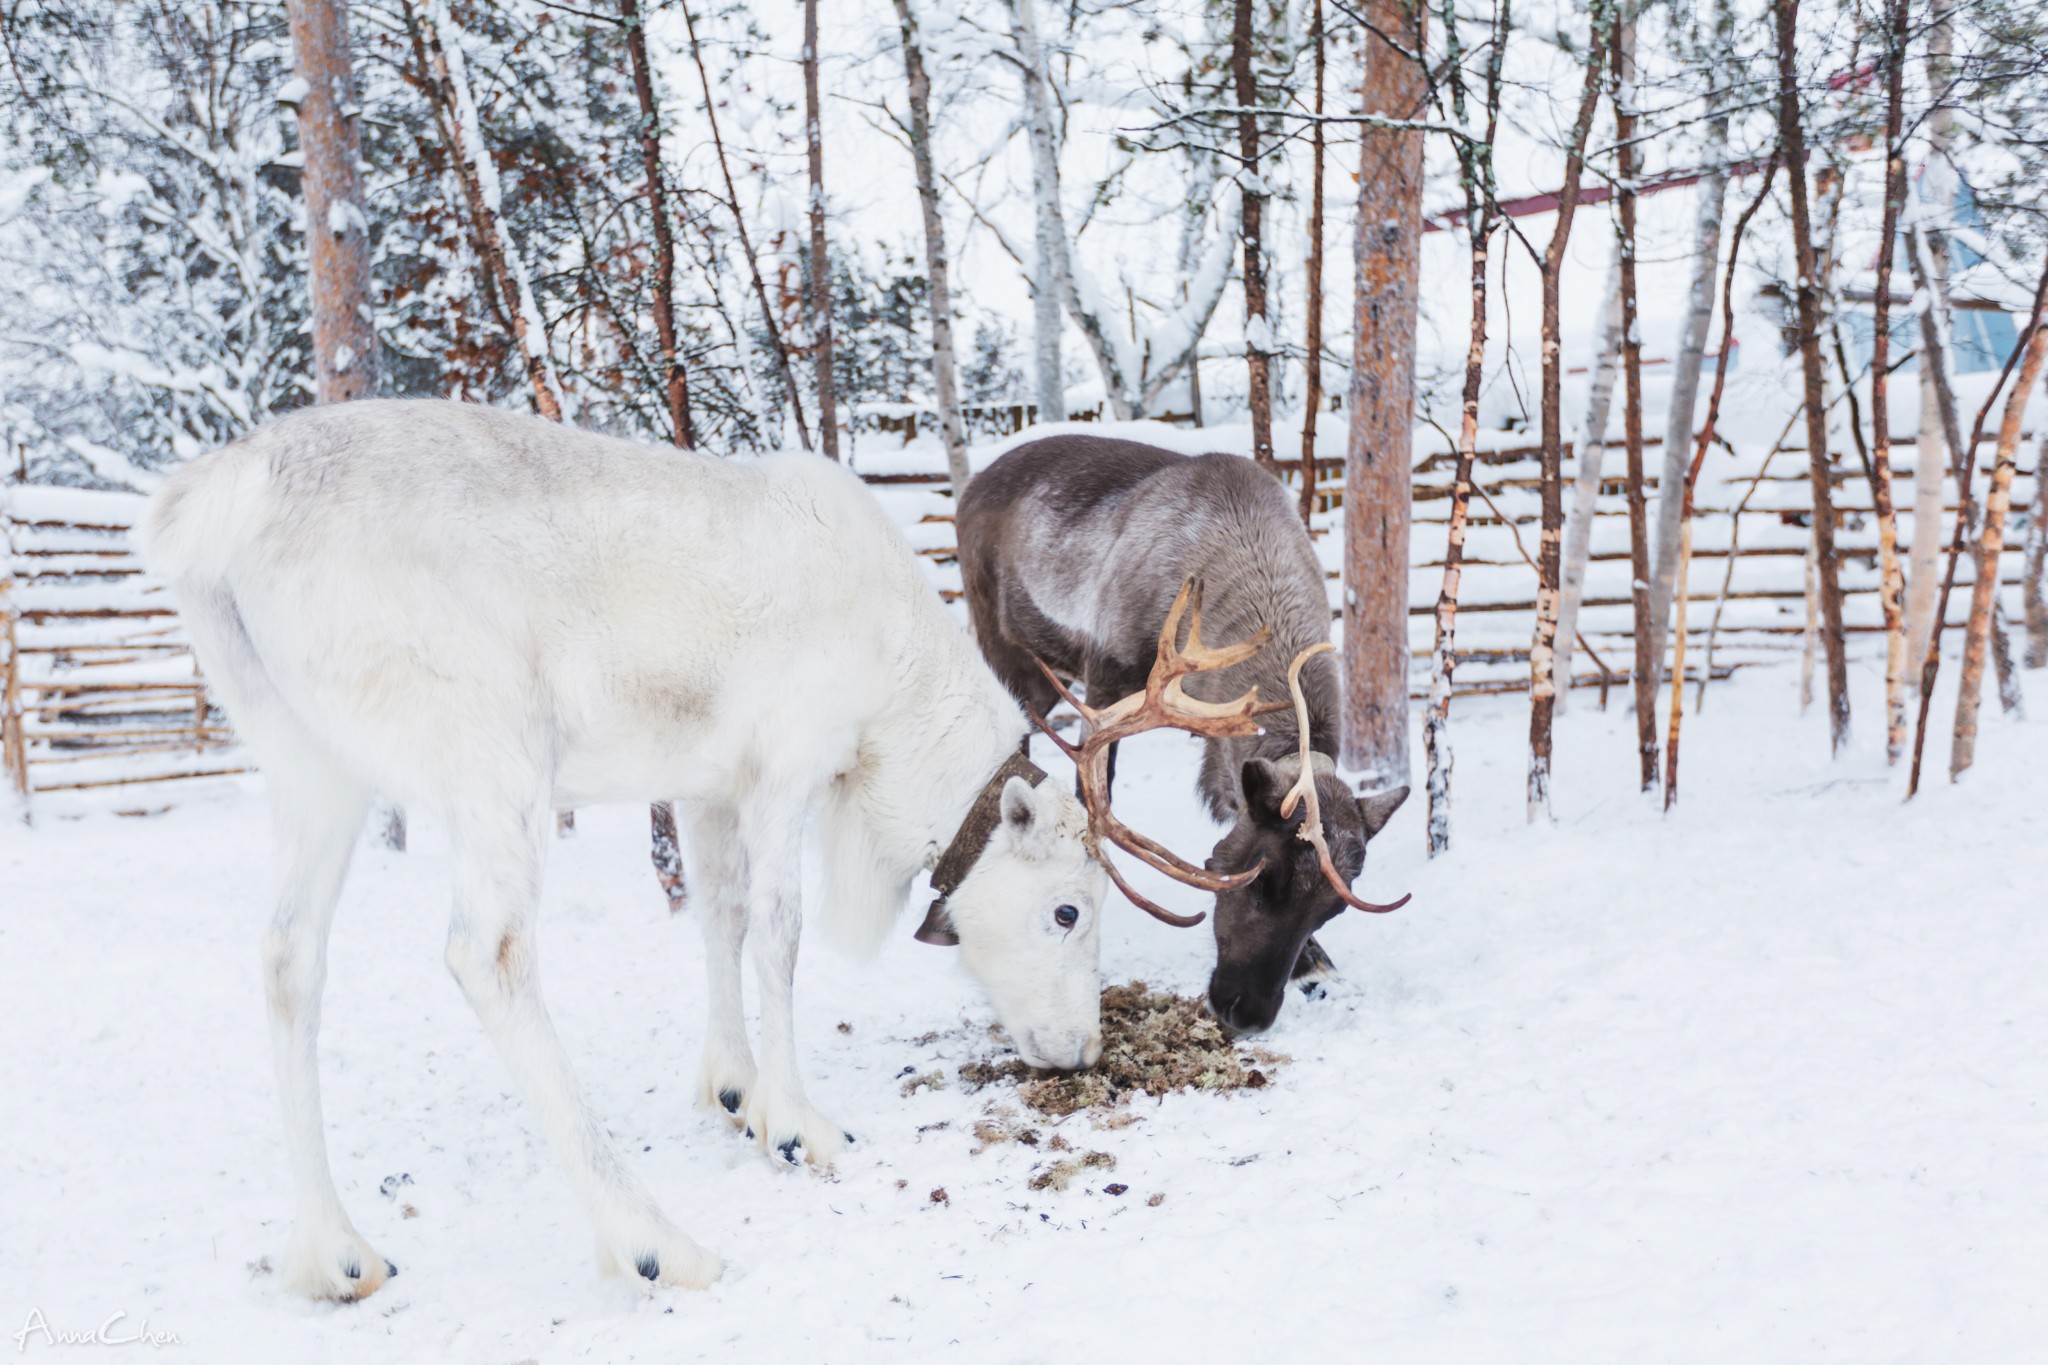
column 1305, row 833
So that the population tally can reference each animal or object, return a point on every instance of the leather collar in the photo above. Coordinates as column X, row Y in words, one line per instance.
column 980, row 825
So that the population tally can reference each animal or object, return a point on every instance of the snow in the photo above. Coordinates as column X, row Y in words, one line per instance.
column 1758, row 1080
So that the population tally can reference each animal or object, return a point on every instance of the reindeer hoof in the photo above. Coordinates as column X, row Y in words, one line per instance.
column 731, row 1100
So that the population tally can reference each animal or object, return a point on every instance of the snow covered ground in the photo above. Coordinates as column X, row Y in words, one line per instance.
column 1762, row 1080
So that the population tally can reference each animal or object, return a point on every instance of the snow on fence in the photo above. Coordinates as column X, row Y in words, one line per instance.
column 100, row 689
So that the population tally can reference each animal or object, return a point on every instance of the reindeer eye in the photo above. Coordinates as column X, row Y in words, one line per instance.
column 1066, row 917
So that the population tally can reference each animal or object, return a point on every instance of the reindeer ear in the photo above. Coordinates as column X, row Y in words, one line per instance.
column 1375, row 810
column 1020, row 805
column 937, row 928
column 1264, row 788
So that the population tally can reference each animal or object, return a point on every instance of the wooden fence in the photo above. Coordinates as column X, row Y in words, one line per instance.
column 98, row 688
column 101, row 691
column 1747, row 589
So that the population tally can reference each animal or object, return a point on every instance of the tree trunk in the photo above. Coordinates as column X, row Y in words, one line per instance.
column 1048, row 282
column 478, row 175
column 345, row 350
column 820, row 280
column 663, row 849
column 1692, row 478
column 1984, row 592
column 1933, row 456
column 1443, row 659
column 675, row 382
column 2035, row 590
column 943, row 380
column 1251, row 223
column 1891, row 585
column 1645, row 671
column 1692, row 349
column 1604, row 366
column 1542, row 677
column 1312, row 348
column 337, row 230
column 1377, row 474
column 1792, row 136
column 1935, row 338
column 732, row 203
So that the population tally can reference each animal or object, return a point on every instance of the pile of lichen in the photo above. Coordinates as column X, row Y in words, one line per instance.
column 1153, row 1042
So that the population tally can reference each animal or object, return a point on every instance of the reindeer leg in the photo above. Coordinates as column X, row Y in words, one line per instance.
column 318, row 811
column 498, row 851
column 728, row 1068
column 1313, row 968
column 780, row 1117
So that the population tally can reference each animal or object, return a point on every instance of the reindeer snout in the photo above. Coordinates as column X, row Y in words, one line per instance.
column 1064, row 1054
column 1242, row 1011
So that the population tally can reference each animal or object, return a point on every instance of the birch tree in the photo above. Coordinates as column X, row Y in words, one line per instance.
column 1984, row 591
column 1891, row 587
column 1792, row 136
column 1690, row 354
column 1542, row 676
column 1312, row 340
column 818, row 282
column 1049, row 232
column 1644, row 674
column 2035, row 569
column 1932, row 452
column 1475, row 167
column 1251, row 220
column 1577, row 553
column 944, row 383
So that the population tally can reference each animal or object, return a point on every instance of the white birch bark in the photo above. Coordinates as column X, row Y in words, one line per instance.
column 945, row 389
column 1578, row 524
column 1931, row 455
column 1685, row 372
column 1049, row 257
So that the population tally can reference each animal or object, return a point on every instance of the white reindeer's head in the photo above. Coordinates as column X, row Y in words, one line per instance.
column 1028, row 919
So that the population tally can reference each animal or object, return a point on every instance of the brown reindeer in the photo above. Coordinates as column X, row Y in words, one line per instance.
column 1073, row 549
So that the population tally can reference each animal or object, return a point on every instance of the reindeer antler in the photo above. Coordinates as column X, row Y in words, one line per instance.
column 1304, row 789
column 1163, row 703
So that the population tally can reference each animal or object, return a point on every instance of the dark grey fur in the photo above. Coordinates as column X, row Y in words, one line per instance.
column 1072, row 549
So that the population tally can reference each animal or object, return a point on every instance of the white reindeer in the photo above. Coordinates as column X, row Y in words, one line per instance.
column 486, row 616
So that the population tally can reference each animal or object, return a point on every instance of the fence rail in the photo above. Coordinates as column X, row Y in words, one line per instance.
column 99, row 690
